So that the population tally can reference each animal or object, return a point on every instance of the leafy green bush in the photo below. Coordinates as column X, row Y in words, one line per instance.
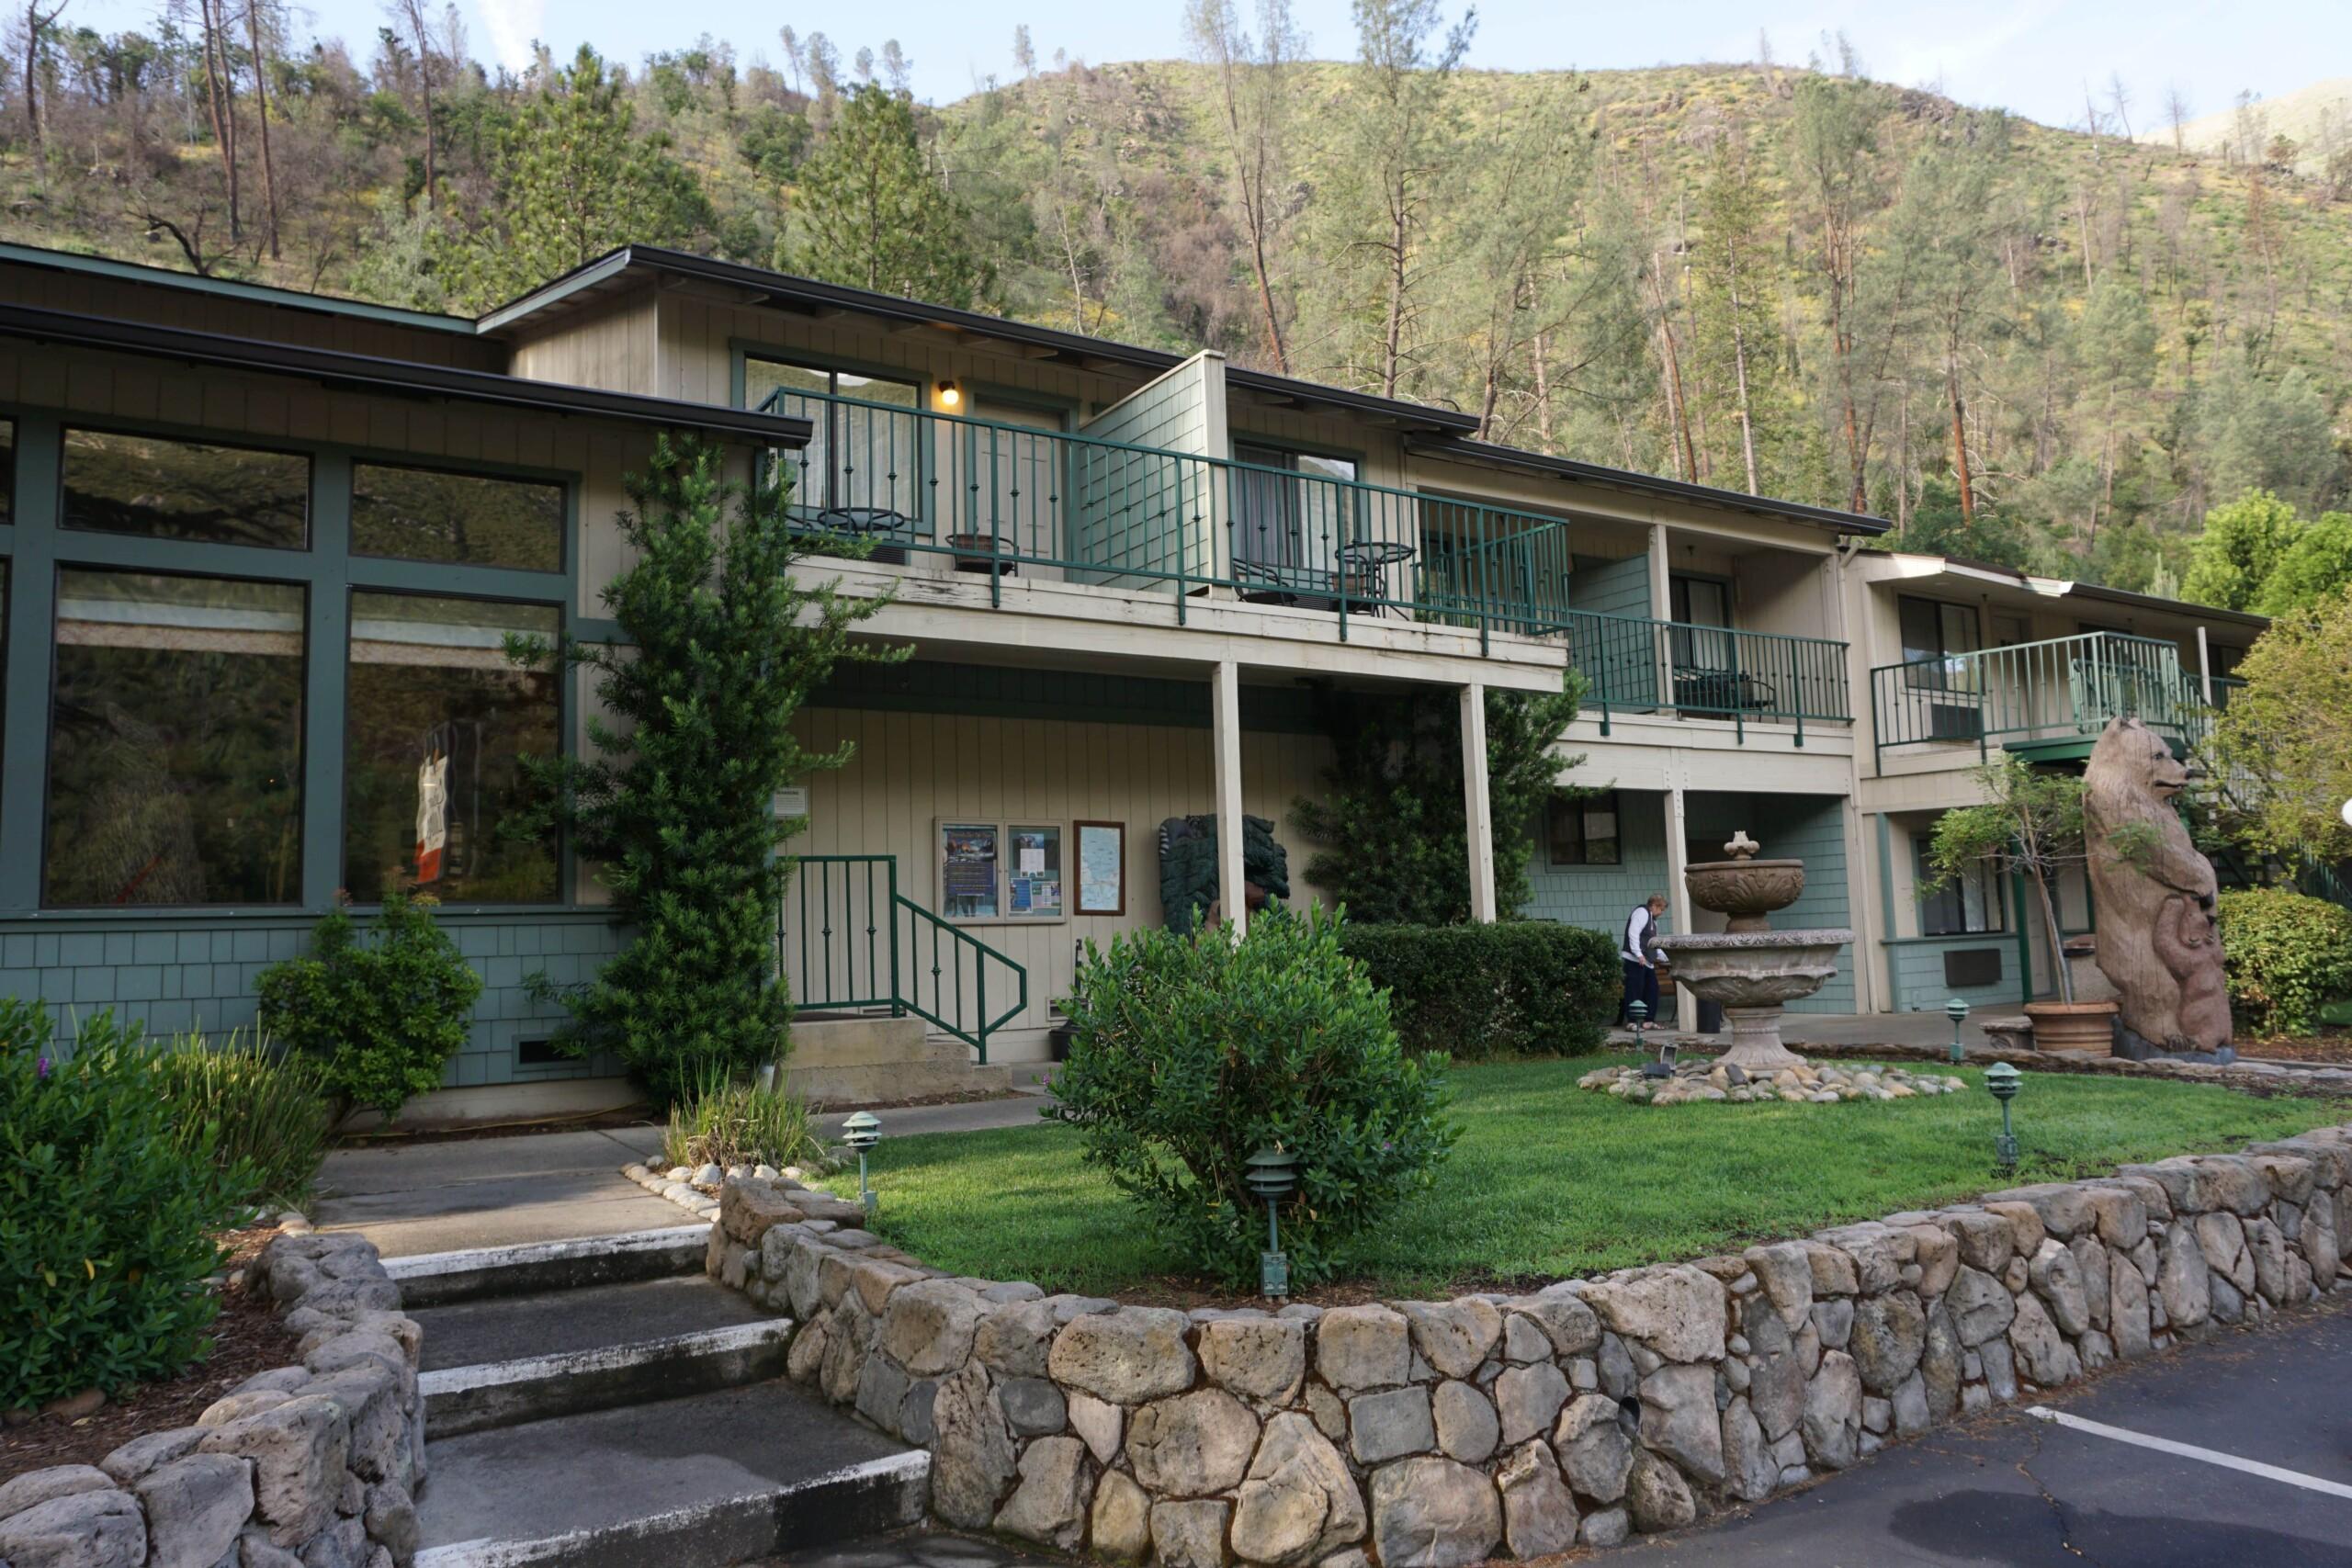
column 383, row 1012
column 107, row 1215
column 2285, row 954
column 1191, row 1052
column 264, row 1110
column 1519, row 988
column 723, row 1123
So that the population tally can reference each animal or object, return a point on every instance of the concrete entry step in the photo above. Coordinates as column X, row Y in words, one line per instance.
column 501, row 1361
column 438, row 1279
column 694, row 1483
column 843, row 1060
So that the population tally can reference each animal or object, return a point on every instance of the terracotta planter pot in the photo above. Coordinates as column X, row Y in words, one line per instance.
column 2072, row 1026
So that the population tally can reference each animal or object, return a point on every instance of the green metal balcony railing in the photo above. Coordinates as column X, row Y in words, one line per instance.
column 1635, row 665
column 1003, row 500
column 2035, row 691
column 846, row 938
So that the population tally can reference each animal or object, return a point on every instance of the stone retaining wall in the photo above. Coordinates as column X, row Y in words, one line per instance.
column 1440, row 1433
column 300, row 1467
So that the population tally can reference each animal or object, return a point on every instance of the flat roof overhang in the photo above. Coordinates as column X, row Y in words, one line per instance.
column 397, row 377
column 1654, row 485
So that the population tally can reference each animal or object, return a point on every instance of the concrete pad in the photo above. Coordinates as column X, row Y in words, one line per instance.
column 509, row 1327
column 683, row 1480
column 408, row 1168
column 500, row 1212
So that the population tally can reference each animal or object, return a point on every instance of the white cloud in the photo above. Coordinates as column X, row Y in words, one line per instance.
column 514, row 26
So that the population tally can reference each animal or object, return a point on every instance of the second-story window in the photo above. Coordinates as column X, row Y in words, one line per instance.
column 865, row 461
column 1292, row 516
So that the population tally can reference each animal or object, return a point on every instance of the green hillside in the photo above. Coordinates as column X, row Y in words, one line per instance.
column 2022, row 343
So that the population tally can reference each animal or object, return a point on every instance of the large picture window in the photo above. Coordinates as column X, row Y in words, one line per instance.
column 868, row 462
column 176, row 745
column 1963, row 907
column 470, row 519
column 1281, row 521
column 186, row 490
column 439, row 720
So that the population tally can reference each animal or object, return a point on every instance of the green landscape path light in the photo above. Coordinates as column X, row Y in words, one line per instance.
column 2004, row 1081
column 1956, row 1011
column 1273, row 1176
column 862, row 1132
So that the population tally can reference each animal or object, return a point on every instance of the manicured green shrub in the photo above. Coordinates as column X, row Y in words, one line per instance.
column 1516, row 988
column 1191, row 1052
column 722, row 1124
column 383, row 1012
column 2286, row 954
column 107, row 1214
column 265, row 1110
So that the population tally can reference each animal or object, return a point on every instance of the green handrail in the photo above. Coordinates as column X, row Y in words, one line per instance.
column 2062, row 686
column 854, row 940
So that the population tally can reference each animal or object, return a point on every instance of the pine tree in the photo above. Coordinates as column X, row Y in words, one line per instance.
column 721, row 644
column 874, row 214
column 574, row 179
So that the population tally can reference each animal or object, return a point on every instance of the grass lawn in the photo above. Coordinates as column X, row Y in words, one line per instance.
column 1549, row 1180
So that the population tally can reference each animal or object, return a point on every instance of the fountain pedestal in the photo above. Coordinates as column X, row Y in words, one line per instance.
column 1749, row 968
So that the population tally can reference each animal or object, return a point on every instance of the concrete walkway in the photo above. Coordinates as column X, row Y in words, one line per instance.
column 443, row 1197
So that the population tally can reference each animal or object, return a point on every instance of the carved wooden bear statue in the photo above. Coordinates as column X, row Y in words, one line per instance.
column 2157, row 939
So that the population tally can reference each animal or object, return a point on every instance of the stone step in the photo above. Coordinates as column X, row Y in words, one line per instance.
column 503, row 1360
column 437, row 1278
column 693, row 1482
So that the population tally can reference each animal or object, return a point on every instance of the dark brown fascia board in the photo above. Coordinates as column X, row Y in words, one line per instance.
column 785, row 291
column 401, row 378
column 1654, row 484
column 2106, row 595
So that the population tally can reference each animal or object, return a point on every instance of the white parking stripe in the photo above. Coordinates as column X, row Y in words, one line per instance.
column 2189, row 1450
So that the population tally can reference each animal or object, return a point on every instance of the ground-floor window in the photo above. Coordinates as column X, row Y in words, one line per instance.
column 175, row 741
column 1967, row 905
column 1583, row 830
column 438, row 720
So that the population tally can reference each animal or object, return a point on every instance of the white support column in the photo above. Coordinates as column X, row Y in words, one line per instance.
column 1478, row 809
column 2204, row 667
column 1224, row 731
column 1677, row 894
column 1661, row 609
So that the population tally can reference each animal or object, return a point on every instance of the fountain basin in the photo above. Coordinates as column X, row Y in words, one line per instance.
column 1745, row 890
column 1752, row 974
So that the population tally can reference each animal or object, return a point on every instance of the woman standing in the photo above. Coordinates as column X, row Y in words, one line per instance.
column 1638, row 948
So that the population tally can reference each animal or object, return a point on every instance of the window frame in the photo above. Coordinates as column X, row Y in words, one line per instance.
column 1583, row 806
column 565, row 490
column 1988, row 895
column 833, row 367
column 40, row 544
column 309, row 456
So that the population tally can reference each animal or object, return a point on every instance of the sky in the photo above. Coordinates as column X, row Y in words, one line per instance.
column 2030, row 56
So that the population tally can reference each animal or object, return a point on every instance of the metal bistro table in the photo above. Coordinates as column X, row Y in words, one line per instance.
column 1362, row 567
column 873, row 523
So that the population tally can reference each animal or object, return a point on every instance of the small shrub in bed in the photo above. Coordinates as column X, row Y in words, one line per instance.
column 1191, row 1052
column 2285, row 954
column 107, row 1215
column 723, row 1123
column 1516, row 988
column 265, row 1110
column 383, row 1010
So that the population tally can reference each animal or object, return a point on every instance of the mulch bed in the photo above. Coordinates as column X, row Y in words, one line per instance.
column 961, row 1096
column 247, row 1338
column 2330, row 1045
column 400, row 1138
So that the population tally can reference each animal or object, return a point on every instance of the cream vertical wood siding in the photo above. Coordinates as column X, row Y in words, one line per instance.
column 911, row 770
column 612, row 346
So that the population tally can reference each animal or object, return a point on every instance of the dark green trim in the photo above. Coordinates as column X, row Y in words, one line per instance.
column 2025, row 938
column 24, row 732
column 1001, row 692
column 229, row 289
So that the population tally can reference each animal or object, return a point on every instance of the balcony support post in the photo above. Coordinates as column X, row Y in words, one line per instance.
column 1678, row 893
column 2204, row 667
column 1477, row 807
column 1225, row 733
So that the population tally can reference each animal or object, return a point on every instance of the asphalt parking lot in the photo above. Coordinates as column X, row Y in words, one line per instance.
column 2258, row 1474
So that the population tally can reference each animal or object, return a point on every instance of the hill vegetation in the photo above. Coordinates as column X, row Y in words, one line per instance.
column 2049, row 347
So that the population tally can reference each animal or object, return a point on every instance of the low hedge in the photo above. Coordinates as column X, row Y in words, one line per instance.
column 1517, row 988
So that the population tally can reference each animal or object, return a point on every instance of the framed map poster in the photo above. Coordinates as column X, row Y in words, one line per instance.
column 1101, row 867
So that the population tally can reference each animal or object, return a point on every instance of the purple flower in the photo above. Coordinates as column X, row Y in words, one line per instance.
column 40, row 1067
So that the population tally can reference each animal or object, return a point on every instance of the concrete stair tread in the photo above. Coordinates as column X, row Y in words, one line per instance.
column 645, row 1473
column 466, row 1334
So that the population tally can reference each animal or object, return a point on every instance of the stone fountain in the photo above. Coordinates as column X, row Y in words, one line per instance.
column 1748, row 967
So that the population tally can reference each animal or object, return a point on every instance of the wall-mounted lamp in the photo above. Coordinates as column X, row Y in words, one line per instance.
column 951, row 395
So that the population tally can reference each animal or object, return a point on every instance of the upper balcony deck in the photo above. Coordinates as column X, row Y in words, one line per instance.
column 1002, row 503
column 2035, row 696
